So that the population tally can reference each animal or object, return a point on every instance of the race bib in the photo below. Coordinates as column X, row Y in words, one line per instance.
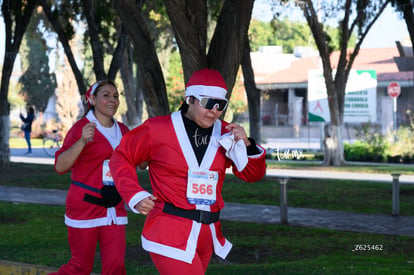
column 201, row 187
column 106, row 174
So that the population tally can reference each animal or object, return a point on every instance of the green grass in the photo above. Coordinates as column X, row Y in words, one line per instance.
column 357, row 167
column 20, row 142
column 36, row 234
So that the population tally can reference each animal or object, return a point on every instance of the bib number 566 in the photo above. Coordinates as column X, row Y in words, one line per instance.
column 202, row 189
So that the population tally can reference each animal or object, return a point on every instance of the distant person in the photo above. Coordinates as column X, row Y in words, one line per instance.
column 95, row 212
column 188, row 153
column 27, row 127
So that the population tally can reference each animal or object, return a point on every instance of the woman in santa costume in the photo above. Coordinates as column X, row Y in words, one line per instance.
column 187, row 153
column 94, row 209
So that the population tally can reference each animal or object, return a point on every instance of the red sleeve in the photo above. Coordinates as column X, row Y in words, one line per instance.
column 134, row 149
column 71, row 138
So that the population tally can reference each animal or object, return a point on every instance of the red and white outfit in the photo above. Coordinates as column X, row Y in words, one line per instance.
column 164, row 143
column 87, row 222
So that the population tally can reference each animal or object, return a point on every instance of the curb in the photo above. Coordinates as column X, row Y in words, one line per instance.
column 16, row 268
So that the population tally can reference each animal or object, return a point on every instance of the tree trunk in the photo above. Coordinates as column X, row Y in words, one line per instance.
column 12, row 42
column 189, row 22
column 66, row 47
column 335, row 86
column 118, row 55
column 132, row 118
column 155, row 94
column 227, row 45
column 97, row 48
column 407, row 9
column 9, row 59
column 253, row 94
column 333, row 146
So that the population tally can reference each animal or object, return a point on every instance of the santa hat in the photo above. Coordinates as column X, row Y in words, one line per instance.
column 90, row 92
column 206, row 82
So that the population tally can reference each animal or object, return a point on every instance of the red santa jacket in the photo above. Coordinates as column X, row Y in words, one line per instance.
column 164, row 144
column 87, row 169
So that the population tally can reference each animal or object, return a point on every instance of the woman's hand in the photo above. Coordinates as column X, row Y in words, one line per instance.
column 88, row 132
column 146, row 205
column 238, row 132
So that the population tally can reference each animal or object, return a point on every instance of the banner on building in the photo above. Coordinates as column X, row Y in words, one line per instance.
column 360, row 97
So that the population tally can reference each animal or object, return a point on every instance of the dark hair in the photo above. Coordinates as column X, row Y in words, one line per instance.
column 184, row 106
column 30, row 109
column 101, row 83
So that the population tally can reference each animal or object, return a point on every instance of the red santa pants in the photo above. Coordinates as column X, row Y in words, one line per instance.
column 200, row 262
column 82, row 242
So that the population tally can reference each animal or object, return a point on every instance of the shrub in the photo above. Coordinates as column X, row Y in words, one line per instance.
column 372, row 146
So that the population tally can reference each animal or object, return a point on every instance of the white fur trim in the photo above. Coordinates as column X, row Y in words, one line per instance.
column 186, row 255
column 136, row 199
column 221, row 250
column 186, row 147
column 94, row 222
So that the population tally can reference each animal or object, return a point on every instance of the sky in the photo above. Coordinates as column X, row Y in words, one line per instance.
column 388, row 28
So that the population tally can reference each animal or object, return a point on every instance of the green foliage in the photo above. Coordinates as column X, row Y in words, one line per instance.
column 38, row 84
column 360, row 151
column 371, row 145
column 260, row 34
column 292, row 34
column 175, row 82
column 14, row 97
column 402, row 149
column 334, row 38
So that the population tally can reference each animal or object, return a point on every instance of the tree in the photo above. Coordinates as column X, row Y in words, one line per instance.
column 189, row 21
column 151, row 75
column 16, row 15
column 406, row 8
column 133, row 94
column 67, row 102
column 355, row 16
column 105, row 35
column 104, row 29
column 60, row 17
column 38, row 84
column 253, row 94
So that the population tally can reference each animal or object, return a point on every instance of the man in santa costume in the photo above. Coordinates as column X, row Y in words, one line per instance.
column 187, row 153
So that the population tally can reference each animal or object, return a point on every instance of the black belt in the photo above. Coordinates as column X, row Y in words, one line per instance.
column 110, row 196
column 205, row 217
